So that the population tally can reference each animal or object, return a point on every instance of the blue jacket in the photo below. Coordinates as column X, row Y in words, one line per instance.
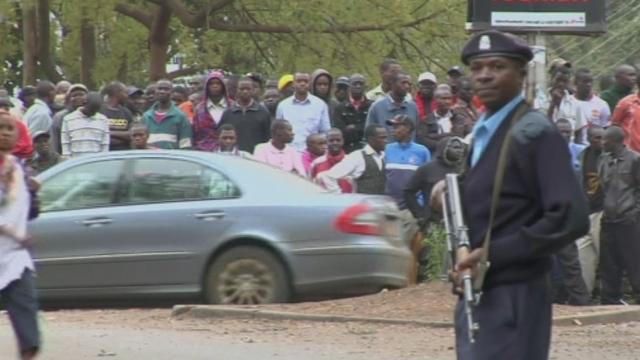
column 401, row 161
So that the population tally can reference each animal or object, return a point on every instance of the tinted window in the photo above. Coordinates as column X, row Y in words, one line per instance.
column 157, row 180
column 86, row 185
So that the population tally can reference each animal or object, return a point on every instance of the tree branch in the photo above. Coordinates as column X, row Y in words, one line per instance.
column 137, row 14
column 201, row 19
column 186, row 16
column 285, row 29
column 182, row 72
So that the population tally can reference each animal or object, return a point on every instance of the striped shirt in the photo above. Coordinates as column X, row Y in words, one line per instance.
column 81, row 134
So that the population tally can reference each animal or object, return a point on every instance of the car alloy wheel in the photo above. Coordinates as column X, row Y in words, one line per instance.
column 245, row 281
column 246, row 276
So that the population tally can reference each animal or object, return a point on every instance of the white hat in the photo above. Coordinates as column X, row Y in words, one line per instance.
column 427, row 76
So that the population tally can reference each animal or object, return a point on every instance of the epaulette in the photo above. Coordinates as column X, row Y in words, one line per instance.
column 531, row 126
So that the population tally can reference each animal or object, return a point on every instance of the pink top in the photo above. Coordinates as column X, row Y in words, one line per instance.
column 287, row 159
column 307, row 159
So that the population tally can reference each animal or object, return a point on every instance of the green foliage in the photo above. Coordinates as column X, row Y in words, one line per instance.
column 10, row 51
column 436, row 242
column 123, row 51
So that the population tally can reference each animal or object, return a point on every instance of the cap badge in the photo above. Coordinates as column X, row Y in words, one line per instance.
column 485, row 43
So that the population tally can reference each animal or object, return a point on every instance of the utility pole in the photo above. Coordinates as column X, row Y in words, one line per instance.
column 537, row 79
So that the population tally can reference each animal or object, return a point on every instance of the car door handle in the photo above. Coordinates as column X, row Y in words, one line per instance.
column 96, row 222
column 210, row 215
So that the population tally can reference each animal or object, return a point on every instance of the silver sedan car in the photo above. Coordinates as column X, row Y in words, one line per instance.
column 153, row 224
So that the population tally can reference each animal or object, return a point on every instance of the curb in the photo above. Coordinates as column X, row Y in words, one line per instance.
column 219, row 312
column 603, row 317
column 203, row 312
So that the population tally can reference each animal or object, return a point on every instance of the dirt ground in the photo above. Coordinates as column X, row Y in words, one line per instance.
column 432, row 301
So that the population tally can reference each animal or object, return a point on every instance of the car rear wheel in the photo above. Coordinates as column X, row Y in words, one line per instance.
column 246, row 275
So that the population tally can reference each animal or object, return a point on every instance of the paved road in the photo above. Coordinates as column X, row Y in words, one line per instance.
column 152, row 334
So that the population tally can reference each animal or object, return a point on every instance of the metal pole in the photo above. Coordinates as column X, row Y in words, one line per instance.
column 536, row 85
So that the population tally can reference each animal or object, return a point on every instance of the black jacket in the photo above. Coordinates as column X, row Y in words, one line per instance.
column 253, row 126
column 345, row 114
column 425, row 178
column 620, row 177
column 591, row 183
column 541, row 207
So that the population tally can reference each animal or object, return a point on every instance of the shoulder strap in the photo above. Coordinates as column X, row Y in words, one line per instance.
column 484, row 264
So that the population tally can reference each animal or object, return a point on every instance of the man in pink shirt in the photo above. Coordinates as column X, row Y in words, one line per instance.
column 316, row 147
column 276, row 152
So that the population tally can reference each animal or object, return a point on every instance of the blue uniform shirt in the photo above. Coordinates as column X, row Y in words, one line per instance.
column 487, row 126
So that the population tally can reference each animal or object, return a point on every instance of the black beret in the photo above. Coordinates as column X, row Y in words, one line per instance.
column 496, row 43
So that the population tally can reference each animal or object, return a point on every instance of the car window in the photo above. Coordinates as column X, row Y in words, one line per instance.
column 87, row 185
column 158, row 180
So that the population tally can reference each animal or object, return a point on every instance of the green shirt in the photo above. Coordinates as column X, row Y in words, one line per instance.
column 614, row 94
column 170, row 130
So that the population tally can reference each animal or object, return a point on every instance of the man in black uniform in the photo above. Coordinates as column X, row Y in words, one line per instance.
column 539, row 210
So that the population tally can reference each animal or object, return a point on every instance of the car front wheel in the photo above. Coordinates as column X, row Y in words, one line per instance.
column 246, row 275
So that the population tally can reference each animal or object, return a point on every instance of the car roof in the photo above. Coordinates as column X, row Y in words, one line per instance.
column 250, row 174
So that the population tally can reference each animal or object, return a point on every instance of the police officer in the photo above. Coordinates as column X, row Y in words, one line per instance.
column 539, row 209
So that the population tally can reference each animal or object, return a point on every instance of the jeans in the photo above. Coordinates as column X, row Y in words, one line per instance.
column 19, row 298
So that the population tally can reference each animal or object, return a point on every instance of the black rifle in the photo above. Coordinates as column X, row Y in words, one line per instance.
column 459, row 246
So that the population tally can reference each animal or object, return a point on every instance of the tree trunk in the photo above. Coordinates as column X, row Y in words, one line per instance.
column 29, row 43
column 87, row 53
column 123, row 69
column 44, row 41
column 159, row 38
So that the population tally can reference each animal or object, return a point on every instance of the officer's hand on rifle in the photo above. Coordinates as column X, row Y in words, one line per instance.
column 468, row 262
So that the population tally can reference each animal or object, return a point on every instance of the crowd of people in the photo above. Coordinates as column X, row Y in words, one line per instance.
column 398, row 139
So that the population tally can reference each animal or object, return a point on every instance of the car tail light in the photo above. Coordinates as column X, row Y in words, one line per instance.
column 359, row 219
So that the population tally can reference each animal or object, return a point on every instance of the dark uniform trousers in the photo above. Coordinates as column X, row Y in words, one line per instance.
column 515, row 323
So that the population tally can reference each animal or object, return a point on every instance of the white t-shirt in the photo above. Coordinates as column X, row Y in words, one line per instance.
column 594, row 111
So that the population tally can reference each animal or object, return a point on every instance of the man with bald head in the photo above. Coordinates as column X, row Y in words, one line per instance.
column 307, row 113
column 350, row 115
column 316, row 147
column 619, row 172
column 442, row 122
column 625, row 79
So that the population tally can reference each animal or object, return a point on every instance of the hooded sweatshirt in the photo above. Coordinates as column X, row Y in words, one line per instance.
column 331, row 103
column 427, row 176
column 205, row 127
